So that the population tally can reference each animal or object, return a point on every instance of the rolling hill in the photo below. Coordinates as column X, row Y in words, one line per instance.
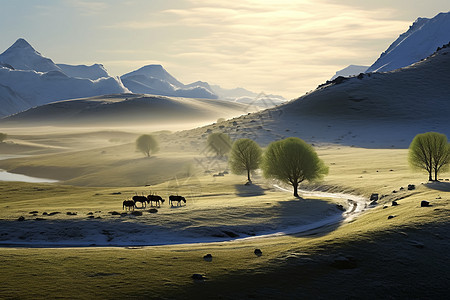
column 128, row 109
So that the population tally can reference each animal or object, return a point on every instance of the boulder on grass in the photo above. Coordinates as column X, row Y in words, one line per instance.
column 394, row 203
column 258, row 252
column 411, row 187
column 374, row 197
column 425, row 203
column 198, row 277
column 207, row 257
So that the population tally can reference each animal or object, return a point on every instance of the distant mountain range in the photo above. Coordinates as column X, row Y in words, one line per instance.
column 422, row 38
column 28, row 79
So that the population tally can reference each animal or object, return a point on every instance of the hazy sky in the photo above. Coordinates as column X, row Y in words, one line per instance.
column 276, row 46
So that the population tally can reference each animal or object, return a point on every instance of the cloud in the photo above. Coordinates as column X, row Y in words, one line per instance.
column 281, row 46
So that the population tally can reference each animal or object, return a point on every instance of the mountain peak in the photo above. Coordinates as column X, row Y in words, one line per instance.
column 21, row 43
column 22, row 56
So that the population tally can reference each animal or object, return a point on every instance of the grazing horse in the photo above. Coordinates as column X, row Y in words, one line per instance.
column 128, row 204
column 141, row 199
column 155, row 198
column 177, row 199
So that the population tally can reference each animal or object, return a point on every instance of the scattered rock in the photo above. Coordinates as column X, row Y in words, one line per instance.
column 90, row 217
column 394, row 191
column 33, row 212
column 343, row 262
column 152, row 210
column 340, row 207
column 230, row 233
column 98, row 217
column 258, row 252
column 54, row 213
column 116, row 193
column 90, row 213
column 21, row 218
column 114, row 213
column 207, row 257
column 136, row 213
column 44, row 213
column 425, row 203
column 373, row 203
column 417, row 244
column 71, row 213
column 394, row 203
column 198, row 277
column 391, row 217
column 374, row 197
column 39, row 219
column 411, row 187
column 384, row 207
column 402, row 188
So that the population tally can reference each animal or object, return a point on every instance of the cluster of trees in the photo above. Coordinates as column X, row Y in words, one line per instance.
column 290, row 160
column 293, row 161
column 430, row 152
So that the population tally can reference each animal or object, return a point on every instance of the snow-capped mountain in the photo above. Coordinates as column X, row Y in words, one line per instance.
column 351, row 70
column 154, row 79
column 93, row 72
column 22, row 56
column 28, row 79
column 423, row 37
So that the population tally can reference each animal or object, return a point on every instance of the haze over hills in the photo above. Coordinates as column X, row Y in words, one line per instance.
column 129, row 109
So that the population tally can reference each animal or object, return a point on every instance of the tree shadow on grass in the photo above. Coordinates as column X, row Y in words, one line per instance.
column 439, row 186
column 251, row 190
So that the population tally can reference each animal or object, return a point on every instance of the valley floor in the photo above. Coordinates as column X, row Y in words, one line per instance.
column 399, row 252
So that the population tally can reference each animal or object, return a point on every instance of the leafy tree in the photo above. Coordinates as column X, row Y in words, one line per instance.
column 3, row 136
column 292, row 161
column 430, row 151
column 219, row 143
column 147, row 144
column 245, row 156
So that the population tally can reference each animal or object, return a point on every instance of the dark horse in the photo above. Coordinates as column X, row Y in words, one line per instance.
column 155, row 198
column 141, row 199
column 177, row 199
column 128, row 204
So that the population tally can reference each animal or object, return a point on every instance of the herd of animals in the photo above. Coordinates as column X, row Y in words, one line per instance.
column 144, row 200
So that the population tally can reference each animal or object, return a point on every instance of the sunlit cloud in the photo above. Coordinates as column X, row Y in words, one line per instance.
column 287, row 47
